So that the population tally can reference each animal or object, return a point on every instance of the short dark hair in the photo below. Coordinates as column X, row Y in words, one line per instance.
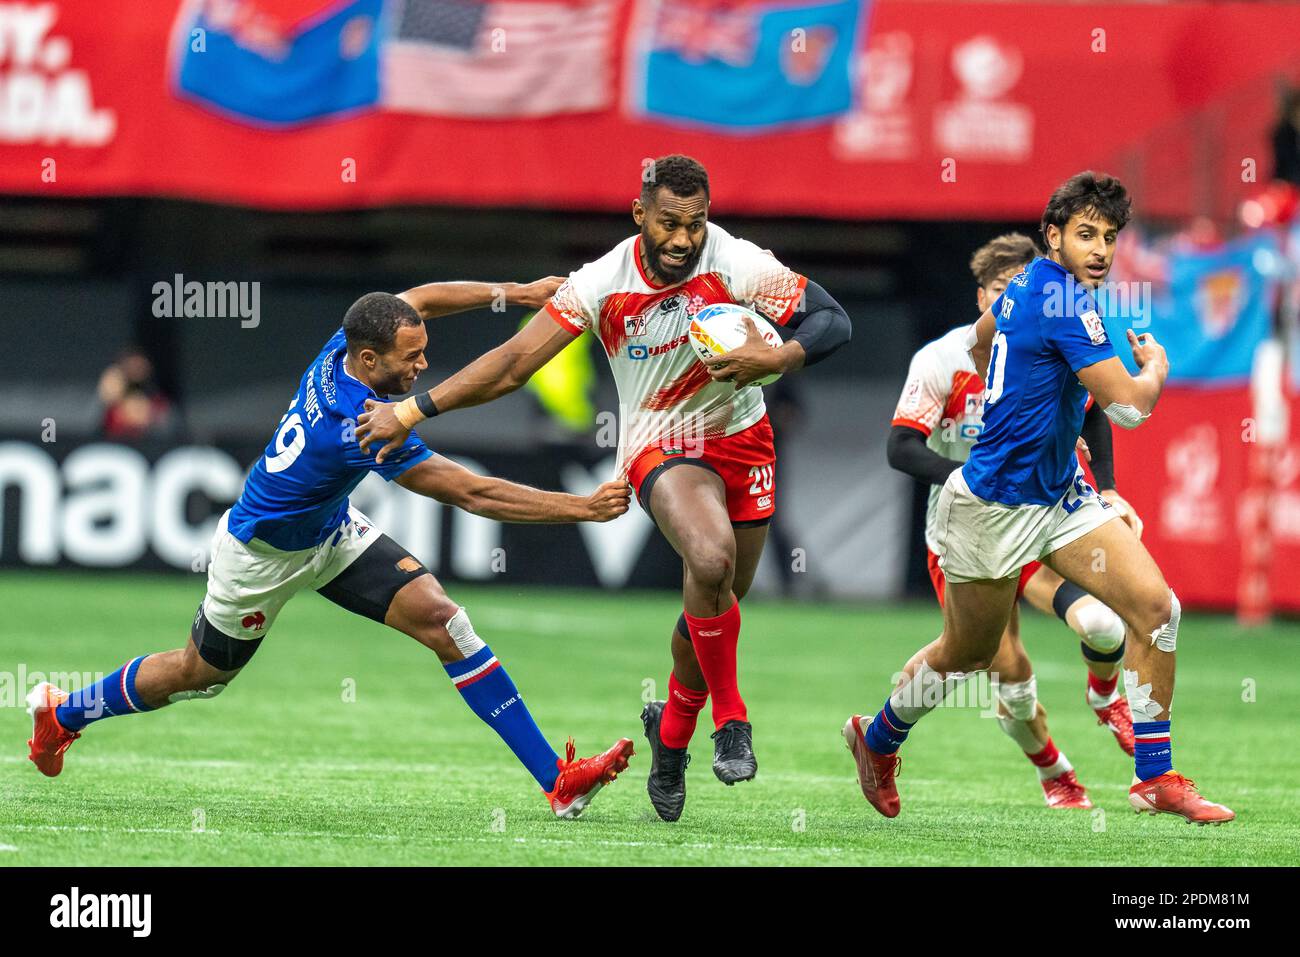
column 680, row 175
column 998, row 255
column 373, row 320
column 1102, row 194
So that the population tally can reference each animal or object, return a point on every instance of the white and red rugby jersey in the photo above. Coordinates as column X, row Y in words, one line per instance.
column 944, row 400
column 665, row 393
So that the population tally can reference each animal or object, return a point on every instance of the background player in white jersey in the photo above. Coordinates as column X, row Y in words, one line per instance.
column 938, row 418
column 675, row 411
column 1021, row 496
column 293, row 528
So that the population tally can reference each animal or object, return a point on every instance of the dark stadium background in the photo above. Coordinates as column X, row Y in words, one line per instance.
column 77, row 274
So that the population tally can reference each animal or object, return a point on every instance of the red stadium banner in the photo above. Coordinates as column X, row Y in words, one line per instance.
column 1187, row 471
column 941, row 110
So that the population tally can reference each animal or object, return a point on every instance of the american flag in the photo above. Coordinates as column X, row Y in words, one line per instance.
column 500, row 58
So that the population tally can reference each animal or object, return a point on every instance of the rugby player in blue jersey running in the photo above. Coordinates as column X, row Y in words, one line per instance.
column 293, row 528
column 1021, row 497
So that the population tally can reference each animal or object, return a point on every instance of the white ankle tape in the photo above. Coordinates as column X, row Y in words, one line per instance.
column 923, row 693
column 1020, row 698
column 462, row 632
column 209, row 692
column 1166, row 636
column 1140, row 702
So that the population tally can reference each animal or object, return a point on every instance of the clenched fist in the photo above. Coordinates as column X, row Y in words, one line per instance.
column 609, row 501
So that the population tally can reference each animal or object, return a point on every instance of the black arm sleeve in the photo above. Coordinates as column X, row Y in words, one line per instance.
column 822, row 326
column 908, row 453
column 1096, row 432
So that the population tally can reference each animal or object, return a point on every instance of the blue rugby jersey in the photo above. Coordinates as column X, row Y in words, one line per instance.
column 1048, row 329
column 297, row 494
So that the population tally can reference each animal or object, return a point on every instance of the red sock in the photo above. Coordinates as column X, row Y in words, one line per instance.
column 1046, row 757
column 680, row 711
column 715, row 640
column 1104, row 687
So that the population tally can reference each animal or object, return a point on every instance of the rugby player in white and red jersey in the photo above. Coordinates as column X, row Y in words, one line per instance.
column 939, row 417
column 639, row 299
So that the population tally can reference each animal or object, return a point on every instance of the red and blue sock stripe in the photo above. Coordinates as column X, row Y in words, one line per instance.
column 887, row 731
column 109, row 697
column 491, row 695
column 1153, row 752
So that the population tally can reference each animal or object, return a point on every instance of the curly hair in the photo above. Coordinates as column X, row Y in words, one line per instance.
column 1095, row 192
column 680, row 175
column 373, row 320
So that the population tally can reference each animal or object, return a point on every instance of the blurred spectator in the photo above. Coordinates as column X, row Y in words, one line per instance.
column 134, row 407
column 1286, row 140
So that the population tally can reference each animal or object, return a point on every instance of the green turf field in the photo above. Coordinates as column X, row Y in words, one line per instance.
column 282, row 769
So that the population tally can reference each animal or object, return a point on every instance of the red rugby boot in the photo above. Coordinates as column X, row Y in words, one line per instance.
column 49, row 739
column 580, row 779
column 1119, row 719
column 876, row 772
column 1064, row 790
column 1171, row 793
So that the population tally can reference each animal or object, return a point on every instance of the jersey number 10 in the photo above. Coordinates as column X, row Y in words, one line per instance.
column 997, row 369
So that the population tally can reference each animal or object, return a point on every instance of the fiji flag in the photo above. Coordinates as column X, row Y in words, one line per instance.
column 1211, row 318
column 251, row 61
column 746, row 67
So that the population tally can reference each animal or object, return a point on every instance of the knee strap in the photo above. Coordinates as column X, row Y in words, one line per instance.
column 1100, row 628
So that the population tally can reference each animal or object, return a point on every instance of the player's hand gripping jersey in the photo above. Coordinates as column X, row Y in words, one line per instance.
column 666, row 394
column 1048, row 328
column 296, row 496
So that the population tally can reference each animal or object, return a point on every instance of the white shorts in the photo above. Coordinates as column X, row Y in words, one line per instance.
column 979, row 540
column 248, row 584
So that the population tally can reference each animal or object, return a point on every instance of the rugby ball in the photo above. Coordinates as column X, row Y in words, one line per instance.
column 719, row 328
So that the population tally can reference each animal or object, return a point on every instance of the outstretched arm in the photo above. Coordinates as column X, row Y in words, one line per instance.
column 492, row 375
column 436, row 299
column 442, row 479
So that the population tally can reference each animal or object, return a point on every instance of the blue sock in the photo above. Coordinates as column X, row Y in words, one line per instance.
column 490, row 694
column 106, row 698
column 887, row 732
column 1153, row 751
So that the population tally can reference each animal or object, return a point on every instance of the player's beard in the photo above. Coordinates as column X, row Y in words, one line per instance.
column 669, row 274
column 1079, row 271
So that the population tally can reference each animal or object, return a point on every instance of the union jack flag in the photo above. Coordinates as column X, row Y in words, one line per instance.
column 700, row 31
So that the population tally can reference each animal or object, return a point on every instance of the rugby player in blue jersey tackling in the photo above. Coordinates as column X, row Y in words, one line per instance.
column 293, row 528
column 1021, row 497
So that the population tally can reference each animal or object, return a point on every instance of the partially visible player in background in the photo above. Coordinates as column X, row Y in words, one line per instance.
column 1021, row 497
column 938, row 418
column 639, row 299
column 293, row 528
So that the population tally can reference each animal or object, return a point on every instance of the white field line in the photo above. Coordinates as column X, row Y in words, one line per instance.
column 426, row 839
